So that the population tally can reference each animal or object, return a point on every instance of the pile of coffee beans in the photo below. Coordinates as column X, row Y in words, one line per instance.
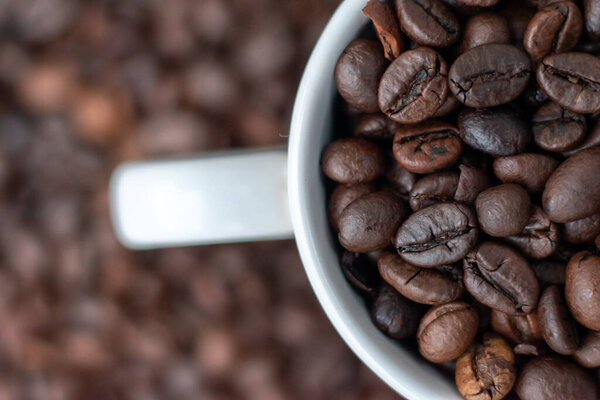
column 466, row 188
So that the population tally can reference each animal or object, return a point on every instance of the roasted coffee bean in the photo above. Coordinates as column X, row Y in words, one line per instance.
column 503, row 210
column 545, row 378
column 466, row 4
column 427, row 147
column 530, row 170
column 440, row 234
column 558, row 327
column 591, row 140
column 557, row 129
column 395, row 315
column 582, row 230
column 495, row 131
column 353, row 160
column 501, row 278
column 343, row 195
column 358, row 72
column 434, row 188
column 360, row 272
column 368, row 223
column 571, row 80
column 385, row 23
column 532, row 349
column 582, row 289
column 588, row 354
column 449, row 105
column 428, row 22
column 414, row 86
column 550, row 272
column 422, row 285
column 471, row 182
column 489, row 75
column 486, row 371
column 572, row 190
column 484, row 28
column 401, row 180
column 539, row 239
column 555, row 28
column 446, row 331
column 592, row 18
column 375, row 126
column 518, row 16
column 517, row 328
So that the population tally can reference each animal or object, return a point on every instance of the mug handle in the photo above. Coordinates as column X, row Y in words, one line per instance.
column 222, row 197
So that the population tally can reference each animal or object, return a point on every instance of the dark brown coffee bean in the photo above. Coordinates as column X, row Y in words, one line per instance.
column 386, row 26
column 531, row 349
column 503, row 210
column 489, row 75
column 422, row 285
column 395, row 315
column 572, row 190
column 428, row 22
column 358, row 72
column 414, row 86
column 440, row 234
column 484, row 28
column 369, row 223
column 592, row 18
column 360, row 272
column 495, row 131
column 471, row 182
column 427, row 147
column 401, row 180
column 352, row 160
column 545, row 378
column 486, row 371
column 557, row 129
column 343, row 195
column 434, row 188
column 539, row 239
column 571, row 80
column 550, row 272
column 446, row 331
column 582, row 289
column 449, row 105
column 530, row 170
column 588, row 354
column 375, row 126
column 582, row 230
column 517, row 328
column 467, row 4
column 558, row 327
column 591, row 140
column 555, row 28
column 501, row 278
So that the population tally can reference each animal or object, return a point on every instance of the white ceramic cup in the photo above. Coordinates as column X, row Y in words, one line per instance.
column 241, row 196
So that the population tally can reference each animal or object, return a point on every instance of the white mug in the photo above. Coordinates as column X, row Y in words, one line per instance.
column 241, row 196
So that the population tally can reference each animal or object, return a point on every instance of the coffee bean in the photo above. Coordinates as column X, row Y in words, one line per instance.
column 486, row 371
column 489, row 75
column 501, row 278
column 518, row 329
column 572, row 190
column 414, row 86
column 582, row 230
column 476, row 3
column 571, row 80
column 357, row 74
column 592, row 18
column 550, row 272
column 581, row 289
column 449, row 105
column 360, row 272
column 518, row 16
column 545, row 378
column 369, row 223
column 401, row 180
column 440, row 234
column 422, row 285
column 428, row 22
column 558, row 327
column 385, row 23
column 530, row 170
column 446, row 331
column 539, row 239
column 588, row 354
column 484, row 28
column 555, row 28
column 395, row 315
column 503, row 210
column 427, row 147
column 434, row 188
column 375, row 126
column 531, row 349
column 352, row 160
column 343, row 195
column 495, row 131
column 557, row 129
column 592, row 140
